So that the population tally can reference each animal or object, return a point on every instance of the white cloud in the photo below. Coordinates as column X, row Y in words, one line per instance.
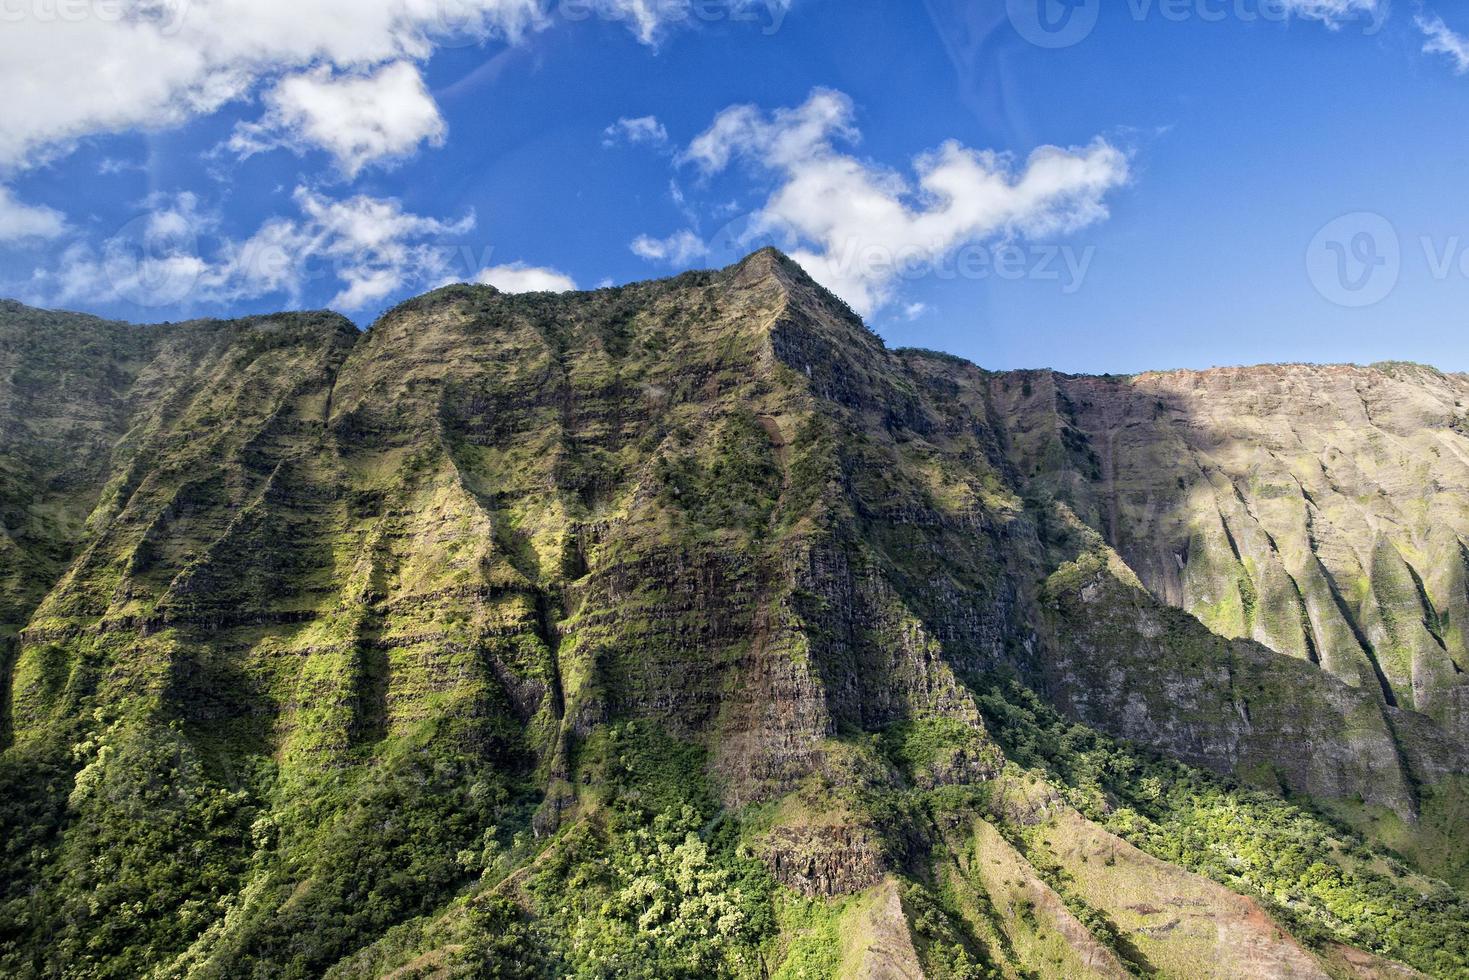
column 859, row 228
column 787, row 137
column 517, row 277
column 152, row 261
column 1443, row 40
column 359, row 119
column 371, row 247
column 377, row 247
column 1333, row 13
column 678, row 249
column 113, row 166
column 127, row 64
column 23, row 221
column 646, row 130
column 915, row 310
column 648, row 19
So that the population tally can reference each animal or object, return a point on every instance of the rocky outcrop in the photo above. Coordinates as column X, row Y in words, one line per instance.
column 825, row 861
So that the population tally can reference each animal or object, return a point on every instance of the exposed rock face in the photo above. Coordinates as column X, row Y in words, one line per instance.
column 1320, row 511
column 826, row 861
column 1155, row 676
column 493, row 528
column 1114, row 656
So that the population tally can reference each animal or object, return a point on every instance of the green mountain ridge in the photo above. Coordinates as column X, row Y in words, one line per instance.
column 683, row 629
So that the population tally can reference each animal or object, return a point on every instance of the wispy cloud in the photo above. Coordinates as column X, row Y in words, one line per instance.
column 1443, row 40
column 644, row 131
column 1334, row 13
column 371, row 247
column 858, row 227
column 680, row 248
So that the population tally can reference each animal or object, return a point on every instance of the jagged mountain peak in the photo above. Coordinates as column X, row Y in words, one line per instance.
column 770, row 262
column 694, row 586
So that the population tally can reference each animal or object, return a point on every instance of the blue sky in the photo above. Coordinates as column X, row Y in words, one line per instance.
column 1157, row 185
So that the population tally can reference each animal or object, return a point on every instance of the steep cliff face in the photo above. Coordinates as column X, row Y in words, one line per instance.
column 1316, row 513
column 1320, row 511
column 1089, row 619
column 550, row 633
column 90, row 411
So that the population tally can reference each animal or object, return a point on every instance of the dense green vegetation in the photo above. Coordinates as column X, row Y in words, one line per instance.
column 654, row 883
column 1320, row 879
column 658, row 881
column 154, row 851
